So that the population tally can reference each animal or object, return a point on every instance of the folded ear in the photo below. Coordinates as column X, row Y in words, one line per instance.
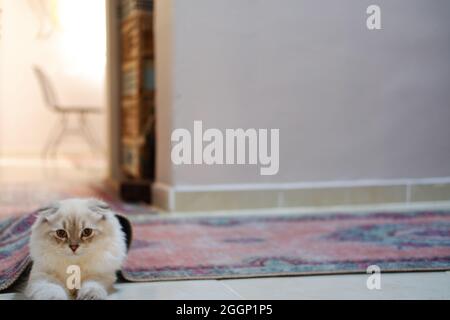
column 47, row 212
column 99, row 207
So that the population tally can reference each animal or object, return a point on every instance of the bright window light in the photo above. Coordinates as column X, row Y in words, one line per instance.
column 83, row 41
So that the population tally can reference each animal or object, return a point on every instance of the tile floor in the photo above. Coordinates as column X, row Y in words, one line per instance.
column 421, row 285
column 31, row 169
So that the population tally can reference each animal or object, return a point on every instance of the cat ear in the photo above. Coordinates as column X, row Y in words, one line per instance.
column 46, row 212
column 99, row 207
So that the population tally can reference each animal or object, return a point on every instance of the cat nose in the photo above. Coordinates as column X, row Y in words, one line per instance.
column 74, row 247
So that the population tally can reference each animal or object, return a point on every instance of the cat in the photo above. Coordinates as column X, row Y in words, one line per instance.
column 83, row 234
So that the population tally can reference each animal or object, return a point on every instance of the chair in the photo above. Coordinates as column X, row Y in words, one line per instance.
column 62, row 128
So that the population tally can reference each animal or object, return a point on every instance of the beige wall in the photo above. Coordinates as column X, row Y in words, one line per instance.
column 351, row 104
column 74, row 58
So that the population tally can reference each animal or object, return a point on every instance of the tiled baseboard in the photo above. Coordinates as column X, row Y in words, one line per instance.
column 430, row 192
column 173, row 199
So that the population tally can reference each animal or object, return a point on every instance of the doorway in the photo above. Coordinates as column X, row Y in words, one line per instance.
column 66, row 41
column 78, row 45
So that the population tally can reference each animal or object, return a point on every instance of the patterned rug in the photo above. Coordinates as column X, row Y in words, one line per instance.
column 256, row 246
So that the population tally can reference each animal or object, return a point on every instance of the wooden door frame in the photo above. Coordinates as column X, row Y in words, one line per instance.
column 113, row 90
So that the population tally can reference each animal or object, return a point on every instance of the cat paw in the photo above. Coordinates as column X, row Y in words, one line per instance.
column 47, row 292
column 92, row 291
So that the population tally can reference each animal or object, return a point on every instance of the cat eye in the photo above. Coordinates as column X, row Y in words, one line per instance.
column 61, row 234
column 86, row 233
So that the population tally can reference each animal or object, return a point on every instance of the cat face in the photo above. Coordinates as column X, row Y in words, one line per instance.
column 74, row 227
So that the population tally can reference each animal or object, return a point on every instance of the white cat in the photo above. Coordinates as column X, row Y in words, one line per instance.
column 84, row 233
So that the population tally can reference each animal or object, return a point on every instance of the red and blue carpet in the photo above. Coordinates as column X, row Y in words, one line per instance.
column 257, row 246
